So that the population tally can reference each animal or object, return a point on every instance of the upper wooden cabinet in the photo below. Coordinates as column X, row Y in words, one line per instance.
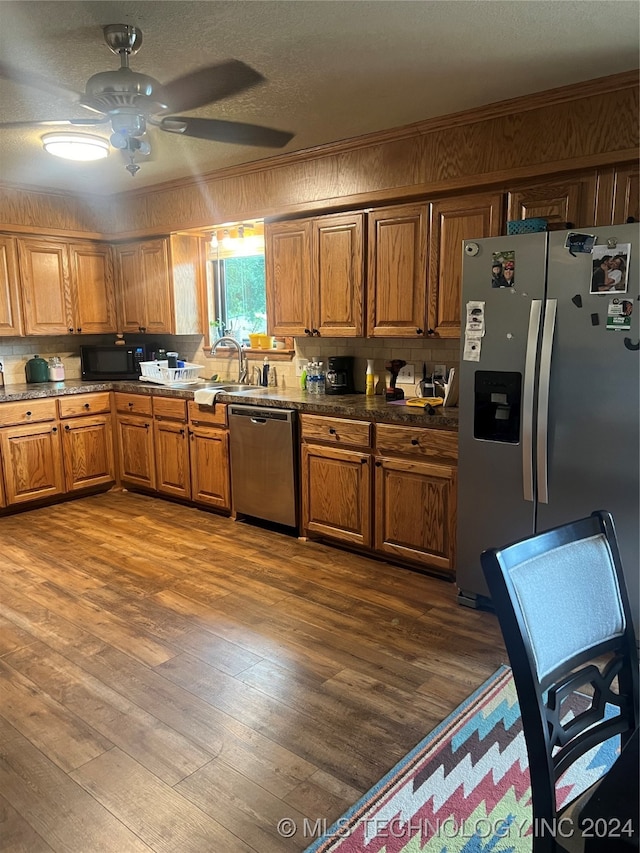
column 10, row 323
column 160, row 285
column 452, row 221
column 67, row 287
column 315, row 276
column 559, row 202
column 397, row 271
column 626, row 195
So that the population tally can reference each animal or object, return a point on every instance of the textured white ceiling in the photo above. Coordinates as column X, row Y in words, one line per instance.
column 335, row 68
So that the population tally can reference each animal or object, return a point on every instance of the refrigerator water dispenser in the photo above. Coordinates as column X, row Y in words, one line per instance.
column 497, row 402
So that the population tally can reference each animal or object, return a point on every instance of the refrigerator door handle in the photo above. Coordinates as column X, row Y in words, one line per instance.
column 527, row 399
column 543, row 399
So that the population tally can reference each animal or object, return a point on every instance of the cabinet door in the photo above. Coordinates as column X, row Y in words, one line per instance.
column 288, row 277
column 452, row 221
column 154, row 263
column 88, row 452
column 92, row 292
column 626, row 197
column 130, row 288
column 32, row 462
column 10, row 323
column 336, row 493
column 172, row 458
column 44, row 266
column 338, row 275
column 135, row 451
column 397, row 271
column 559, row 202
column 415, row 512
column 210, row 474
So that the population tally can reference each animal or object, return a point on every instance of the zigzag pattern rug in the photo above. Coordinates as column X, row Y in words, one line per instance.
column 463, row 789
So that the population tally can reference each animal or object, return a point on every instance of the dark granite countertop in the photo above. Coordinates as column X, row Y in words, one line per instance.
column 348, row 405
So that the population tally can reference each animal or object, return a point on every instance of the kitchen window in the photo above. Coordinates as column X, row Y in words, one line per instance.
column 236, row 281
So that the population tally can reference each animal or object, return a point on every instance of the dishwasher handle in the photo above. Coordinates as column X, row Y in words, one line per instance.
column 258, row 420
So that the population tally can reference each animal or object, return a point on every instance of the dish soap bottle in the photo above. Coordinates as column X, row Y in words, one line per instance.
column 370, row 379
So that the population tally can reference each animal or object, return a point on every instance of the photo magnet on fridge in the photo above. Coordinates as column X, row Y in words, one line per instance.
column 610, row 273
column 503, row 269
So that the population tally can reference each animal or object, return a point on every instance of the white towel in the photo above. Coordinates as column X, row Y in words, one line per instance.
column 205, row 397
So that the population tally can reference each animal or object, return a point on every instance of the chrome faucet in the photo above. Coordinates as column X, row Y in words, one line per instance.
column 242, row 359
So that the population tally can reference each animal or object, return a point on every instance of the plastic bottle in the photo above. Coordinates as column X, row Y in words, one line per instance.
column 303, row 377
column 311, row 376
column 370, row 379
column 320, row 388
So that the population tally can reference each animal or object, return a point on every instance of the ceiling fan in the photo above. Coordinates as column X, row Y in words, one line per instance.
column 130, row 101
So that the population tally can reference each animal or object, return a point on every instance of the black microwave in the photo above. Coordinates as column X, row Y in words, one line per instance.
column 112, row 362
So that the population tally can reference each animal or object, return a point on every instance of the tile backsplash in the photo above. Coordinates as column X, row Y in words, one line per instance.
column 15, row 352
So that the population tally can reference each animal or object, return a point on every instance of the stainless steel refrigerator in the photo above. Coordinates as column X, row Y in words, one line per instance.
column 549, row 392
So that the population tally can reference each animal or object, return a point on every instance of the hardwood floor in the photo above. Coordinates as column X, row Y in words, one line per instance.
column 171, row 680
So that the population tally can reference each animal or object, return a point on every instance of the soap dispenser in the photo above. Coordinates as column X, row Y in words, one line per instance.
column 370, row 379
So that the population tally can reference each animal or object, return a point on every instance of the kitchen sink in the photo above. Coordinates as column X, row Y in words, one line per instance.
column 234, row 388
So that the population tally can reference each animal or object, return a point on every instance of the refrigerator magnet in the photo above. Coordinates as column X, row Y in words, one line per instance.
column 610, row 272
column 503, row 269
column 619, row 314
column 579, row 243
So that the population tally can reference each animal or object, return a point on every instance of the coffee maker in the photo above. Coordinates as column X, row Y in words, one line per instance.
column 339, row 378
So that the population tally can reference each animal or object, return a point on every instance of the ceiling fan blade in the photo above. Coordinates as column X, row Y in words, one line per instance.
column 65, row 122
column 235, row 132
column 29, row 78
column 209, row 85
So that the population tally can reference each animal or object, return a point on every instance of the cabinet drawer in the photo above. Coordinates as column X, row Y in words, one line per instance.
column 336, row 430
column 133, row 404
column 27, row 412
column 417, row 441
column 84, row 404
column 215, row 415
column 169, row 408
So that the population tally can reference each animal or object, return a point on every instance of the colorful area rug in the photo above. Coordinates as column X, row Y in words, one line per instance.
column 464, row 789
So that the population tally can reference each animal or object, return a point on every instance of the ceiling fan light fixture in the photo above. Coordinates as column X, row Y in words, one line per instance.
column 76, row 146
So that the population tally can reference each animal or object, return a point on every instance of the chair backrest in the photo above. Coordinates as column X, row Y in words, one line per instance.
column 563, row 608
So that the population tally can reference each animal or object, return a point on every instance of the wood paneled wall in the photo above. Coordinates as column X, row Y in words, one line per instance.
column 543, row 134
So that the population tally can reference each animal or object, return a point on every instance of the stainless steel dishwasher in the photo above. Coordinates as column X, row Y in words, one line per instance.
column 263, row 463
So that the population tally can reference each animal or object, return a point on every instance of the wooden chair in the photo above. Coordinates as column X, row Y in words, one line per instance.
column 563, row 608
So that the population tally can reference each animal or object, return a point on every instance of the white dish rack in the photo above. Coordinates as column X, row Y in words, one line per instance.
column 160, row 372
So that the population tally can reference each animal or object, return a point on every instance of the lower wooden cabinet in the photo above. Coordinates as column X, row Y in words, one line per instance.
column 405, row 510
column 336, row 493
column 87, row 440
column 209, row 456
column 415, row 511
column 32, row 462
column 171, row 447
column 134, row 440
column 88, row 452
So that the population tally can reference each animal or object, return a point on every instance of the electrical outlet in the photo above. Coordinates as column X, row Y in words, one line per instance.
column 407, row 374
column 301, row 363
column 440, row 371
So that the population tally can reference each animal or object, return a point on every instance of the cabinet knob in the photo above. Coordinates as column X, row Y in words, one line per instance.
column 332, row 431
column 70, row 330
column 378, row 464
column 181, row 432
column 79, row 329
column 87, row 405
column 415, row 442
column 363, row 461
column 130, row 404
column 28, row 414
column 67, row 427
column 146, row 426
column 307, row 331
column 431, row 331
column 142, row 328
column 315, row 332
column 55, row 429
column 419, row 331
